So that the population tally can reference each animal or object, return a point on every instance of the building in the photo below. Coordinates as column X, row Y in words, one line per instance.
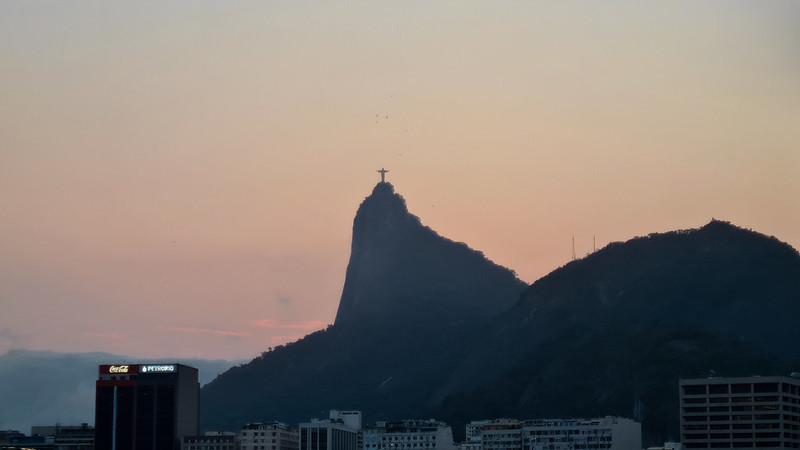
column 50, row 437
column 408, row 435
column 342, row 431
column 607, row 433
column 8, row 436
column 497, row 434
column 145, row 406
column 67, row 437
column 269, row 436
column 738, row 413
column 28, row 443
column 15, row 440
column 211, row 440
column 350, row 419
column 667, row 446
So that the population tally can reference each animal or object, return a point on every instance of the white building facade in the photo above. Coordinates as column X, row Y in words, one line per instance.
column 607, row 433
column 342, row 431
column 268, row 436
column 497, row 434
column 409, row 435
column 211, row 440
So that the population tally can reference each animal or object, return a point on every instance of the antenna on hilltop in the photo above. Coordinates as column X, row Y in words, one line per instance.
column 573, row 247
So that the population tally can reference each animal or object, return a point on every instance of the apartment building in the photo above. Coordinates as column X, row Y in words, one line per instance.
column 607, row 433
column 740, row 413
column 408, row 435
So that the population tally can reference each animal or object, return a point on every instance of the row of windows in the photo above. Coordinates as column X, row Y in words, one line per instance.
column 570, row 439
column 736, row 388
column 735, row 426
column 702, row 409
column 762, row 399
column 210, row 447
column 591, row 432
column 561, row 447
column 734, row 417
column 403, row 445
column 759, row 444
column 408, row 438
column 770, row 435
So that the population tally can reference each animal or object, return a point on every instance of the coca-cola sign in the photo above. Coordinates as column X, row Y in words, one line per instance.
column 119, row 369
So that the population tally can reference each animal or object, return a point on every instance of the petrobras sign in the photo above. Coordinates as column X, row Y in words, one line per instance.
column 158, row 368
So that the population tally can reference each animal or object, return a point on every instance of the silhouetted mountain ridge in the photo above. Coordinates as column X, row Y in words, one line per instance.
column 427, row 327
column 715, row 276
column 618, row 328
column 411, row 304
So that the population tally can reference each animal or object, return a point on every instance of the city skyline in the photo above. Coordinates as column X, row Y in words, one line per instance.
column 180, row 180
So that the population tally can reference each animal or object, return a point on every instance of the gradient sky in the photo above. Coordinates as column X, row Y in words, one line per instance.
column 180, row 178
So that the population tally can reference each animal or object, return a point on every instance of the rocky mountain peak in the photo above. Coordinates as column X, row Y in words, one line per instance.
column 400, row 269
column 381, row 215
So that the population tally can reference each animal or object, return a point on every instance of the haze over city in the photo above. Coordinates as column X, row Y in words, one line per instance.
column 180, row 180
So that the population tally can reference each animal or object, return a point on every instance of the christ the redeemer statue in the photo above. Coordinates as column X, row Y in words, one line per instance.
column 383, row 174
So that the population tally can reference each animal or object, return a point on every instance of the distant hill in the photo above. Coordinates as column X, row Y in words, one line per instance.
column 45, row 388
column 719, row 278
column 612, row 333
column 427, row 327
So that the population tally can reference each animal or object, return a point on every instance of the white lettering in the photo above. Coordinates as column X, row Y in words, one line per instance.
column 161, row 368
column 118, row 369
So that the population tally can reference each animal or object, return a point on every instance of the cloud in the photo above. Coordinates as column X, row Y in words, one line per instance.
column 308, row 325
column 96, row 334
column 8, row 336
column 283, row 300
column 211, row 331
column 9, row 340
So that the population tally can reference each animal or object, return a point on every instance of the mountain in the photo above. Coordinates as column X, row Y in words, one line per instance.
column 402, row 271
column 46, row 388
column 612, row 333
column 427, row 327
column 412, row 306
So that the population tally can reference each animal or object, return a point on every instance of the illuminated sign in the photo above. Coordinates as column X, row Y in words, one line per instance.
column 122, row 370
column 118, row 369
column 161, row 368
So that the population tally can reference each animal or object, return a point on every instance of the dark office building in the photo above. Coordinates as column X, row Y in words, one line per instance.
column 740, row 413
column 145, row 406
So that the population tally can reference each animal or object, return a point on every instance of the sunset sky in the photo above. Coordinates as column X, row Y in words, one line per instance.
column 179, row 179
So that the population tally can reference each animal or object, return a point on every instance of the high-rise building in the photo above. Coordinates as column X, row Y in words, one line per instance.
column 739, row 413
column 145, row 406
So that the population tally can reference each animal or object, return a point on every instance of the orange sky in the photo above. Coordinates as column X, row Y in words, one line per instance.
column 180, row 179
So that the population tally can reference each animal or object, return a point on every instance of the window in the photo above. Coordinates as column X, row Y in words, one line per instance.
column 718, row 389
column 765, row 387
column 692, row 389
